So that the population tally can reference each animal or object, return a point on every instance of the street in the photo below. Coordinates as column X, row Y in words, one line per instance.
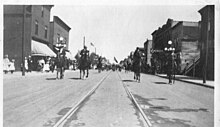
column 41, row 100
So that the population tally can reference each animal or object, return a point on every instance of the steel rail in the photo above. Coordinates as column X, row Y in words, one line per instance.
column 135, row 103
column 74, row 109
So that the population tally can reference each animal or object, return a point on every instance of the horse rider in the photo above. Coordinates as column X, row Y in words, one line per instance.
column 137, row 64
column 84, row 61
column 99, row 66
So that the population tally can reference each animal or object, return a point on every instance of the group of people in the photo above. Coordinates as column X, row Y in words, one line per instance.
column 8, row 66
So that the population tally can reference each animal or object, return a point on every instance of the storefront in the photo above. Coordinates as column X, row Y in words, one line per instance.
column 40, row 51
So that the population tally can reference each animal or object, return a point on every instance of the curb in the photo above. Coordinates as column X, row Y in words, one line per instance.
column 195, row 83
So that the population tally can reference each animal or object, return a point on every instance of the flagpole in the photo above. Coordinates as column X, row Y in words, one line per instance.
column 84, row 39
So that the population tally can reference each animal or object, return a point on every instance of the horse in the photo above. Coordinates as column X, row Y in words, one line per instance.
column 84, row 63
column 137, row 65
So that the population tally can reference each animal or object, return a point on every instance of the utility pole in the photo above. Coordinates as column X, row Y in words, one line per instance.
column 206, row 49
column 23, row 42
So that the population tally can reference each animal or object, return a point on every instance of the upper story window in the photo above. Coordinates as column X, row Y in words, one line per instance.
column 58, row 38
column 42, row 11
column 45, row 30
column 65, row 40
column 36, row 27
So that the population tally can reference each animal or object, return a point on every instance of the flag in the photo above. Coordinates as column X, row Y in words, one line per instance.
column 91, row 44
column 115, row 60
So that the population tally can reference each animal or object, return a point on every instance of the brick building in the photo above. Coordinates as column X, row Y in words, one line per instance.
column 147, row 48
column 184, row 35
column 26, row 26
column 59, row 31
column 207, row 41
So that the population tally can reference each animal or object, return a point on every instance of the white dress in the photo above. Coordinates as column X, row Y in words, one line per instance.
column 11, row 66
column 6, row 64
column 46, row 67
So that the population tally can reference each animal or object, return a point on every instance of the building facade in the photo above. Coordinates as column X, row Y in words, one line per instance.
column 184, row 36
column 147, row 48
column 59, row 32
column 23, row 26
column 160, row 37
column 207, row 41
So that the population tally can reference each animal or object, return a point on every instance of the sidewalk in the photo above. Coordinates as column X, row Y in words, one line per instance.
column 196, row 81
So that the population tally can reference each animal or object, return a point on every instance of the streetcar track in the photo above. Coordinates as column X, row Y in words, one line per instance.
column 135, row 103
column 77, row 106
column 36, row 97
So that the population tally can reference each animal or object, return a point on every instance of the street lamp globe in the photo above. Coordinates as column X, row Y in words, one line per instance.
column 169, row 42
column 165, row 48
column 61, row 39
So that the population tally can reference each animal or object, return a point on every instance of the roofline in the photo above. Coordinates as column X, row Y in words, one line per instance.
column 56, row 17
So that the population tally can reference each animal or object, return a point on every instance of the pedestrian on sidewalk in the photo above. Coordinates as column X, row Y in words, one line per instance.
column 30, row 64
column 6, row 64
column 12, row 66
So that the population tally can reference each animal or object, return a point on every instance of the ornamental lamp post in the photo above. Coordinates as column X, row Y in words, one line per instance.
column 60, row 44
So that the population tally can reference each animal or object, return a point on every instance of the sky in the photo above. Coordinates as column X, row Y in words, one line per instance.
column 116, row 30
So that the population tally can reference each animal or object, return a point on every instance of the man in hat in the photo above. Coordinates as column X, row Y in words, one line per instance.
column 84, row 61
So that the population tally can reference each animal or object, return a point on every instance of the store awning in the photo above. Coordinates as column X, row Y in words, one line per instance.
column 40, row 49
column 69, row 56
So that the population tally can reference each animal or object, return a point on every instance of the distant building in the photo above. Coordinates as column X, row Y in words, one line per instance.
column 184, row 35
column 34, row 27
column 207, row 41
column 59, row 32
column 147, row 48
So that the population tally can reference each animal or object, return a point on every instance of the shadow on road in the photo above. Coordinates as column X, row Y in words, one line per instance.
column 75, row 78
column 160, row 83
column 128, row 81
column 50, row 78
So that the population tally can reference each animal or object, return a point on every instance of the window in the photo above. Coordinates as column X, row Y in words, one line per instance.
column 45, row 29
column 36, row 27
column 58, row 38
column 42, row 11
column 65, row 40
